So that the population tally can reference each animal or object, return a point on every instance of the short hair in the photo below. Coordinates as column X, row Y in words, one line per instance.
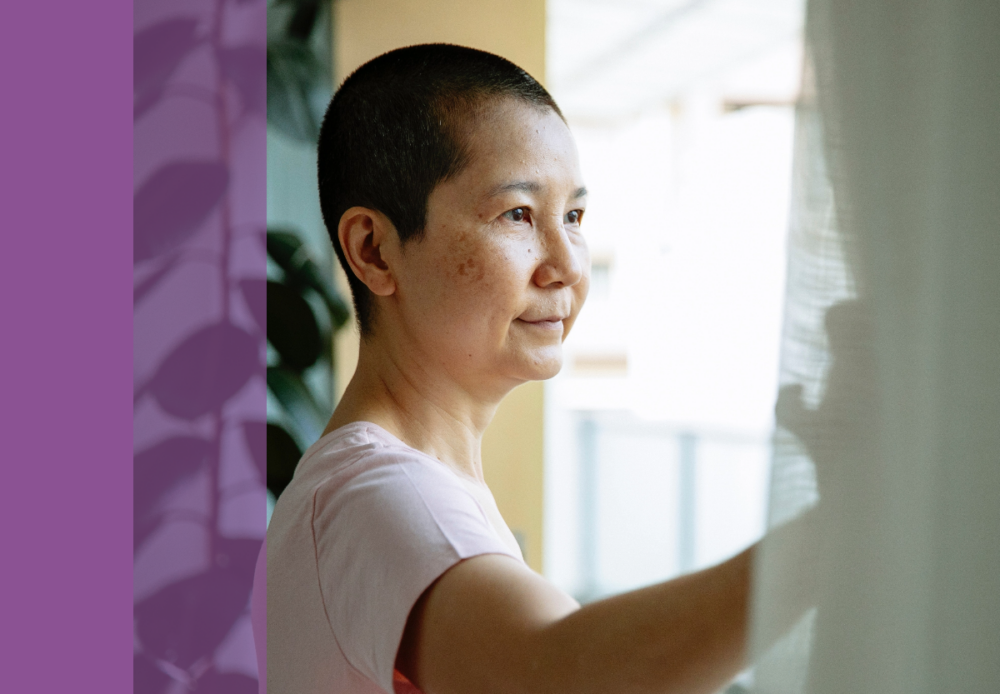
column 392, row 132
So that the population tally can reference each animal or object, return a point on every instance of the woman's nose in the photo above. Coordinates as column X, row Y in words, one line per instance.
column 561, row 258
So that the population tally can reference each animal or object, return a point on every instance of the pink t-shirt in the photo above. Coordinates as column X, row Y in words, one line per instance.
column 365, row 527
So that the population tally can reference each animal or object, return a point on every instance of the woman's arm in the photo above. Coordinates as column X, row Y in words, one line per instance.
column 492, row 625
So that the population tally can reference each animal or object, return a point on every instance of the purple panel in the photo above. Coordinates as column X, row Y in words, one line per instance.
column 199, row 355
column 65, row 352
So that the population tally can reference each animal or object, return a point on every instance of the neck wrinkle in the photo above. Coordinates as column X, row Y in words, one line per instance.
column 428, row 411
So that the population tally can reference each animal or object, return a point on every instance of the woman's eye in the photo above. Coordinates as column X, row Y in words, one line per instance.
column 574, row 216
column 516, row 215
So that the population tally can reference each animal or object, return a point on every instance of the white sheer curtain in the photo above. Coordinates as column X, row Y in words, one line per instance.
column 890, row 406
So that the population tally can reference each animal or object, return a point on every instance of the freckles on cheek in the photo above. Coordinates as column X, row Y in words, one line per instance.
column 470, row 270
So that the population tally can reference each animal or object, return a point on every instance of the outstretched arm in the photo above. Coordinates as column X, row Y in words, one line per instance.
column 492, row 625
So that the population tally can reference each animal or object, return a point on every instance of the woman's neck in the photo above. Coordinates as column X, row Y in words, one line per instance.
column 424, row 408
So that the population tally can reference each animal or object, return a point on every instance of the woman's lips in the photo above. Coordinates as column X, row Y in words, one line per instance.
column 545, row 323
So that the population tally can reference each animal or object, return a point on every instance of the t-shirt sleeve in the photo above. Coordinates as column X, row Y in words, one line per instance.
column 383, row 538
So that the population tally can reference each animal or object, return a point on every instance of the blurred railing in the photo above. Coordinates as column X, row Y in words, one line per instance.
column 657, row 500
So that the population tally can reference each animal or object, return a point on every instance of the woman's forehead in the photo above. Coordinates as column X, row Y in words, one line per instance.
column 520, row 148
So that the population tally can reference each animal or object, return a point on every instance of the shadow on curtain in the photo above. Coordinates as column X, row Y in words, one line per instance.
column 890, row 377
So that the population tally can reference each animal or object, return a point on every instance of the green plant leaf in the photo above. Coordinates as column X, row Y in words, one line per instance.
column 291, row 327
column 274, row 451
column 283, row 455
column 283, row 246
column 292, row 256
column 307, row 418
column 296, row 80
column 297, row 18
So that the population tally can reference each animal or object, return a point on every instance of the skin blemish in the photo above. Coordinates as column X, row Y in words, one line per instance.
column 468, row 266
column 473, row 266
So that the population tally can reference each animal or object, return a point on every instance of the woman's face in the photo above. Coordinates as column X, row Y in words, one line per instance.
column 495, row 284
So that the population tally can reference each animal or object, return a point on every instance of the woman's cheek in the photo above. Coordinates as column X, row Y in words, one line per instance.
column 469, row 270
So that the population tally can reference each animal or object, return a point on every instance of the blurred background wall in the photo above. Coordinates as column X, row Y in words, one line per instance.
column 658, row 430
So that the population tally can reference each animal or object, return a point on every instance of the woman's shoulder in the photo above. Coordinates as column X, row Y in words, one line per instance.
column 360, row 468
column 365, row 452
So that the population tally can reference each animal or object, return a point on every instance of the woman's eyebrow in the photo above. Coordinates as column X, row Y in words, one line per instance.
column 530, row 187
column 521, row 186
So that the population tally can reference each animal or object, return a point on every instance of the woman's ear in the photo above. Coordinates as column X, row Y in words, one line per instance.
column 363, row 233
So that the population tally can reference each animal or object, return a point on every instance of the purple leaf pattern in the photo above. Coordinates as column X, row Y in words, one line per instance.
column 172, row 205
column 255, row 435
column 200, row 406
column 205, row 370
column 255, row 294
column 150, row 282
column 158, row 470
column 245, row 66
column 157, row 52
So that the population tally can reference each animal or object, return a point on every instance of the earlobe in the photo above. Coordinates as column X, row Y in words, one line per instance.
column 363, row 233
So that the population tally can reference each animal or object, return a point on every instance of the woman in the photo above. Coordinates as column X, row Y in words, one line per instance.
column 452, row 190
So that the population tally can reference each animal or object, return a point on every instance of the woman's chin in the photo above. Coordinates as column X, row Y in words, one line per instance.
column 545, row 364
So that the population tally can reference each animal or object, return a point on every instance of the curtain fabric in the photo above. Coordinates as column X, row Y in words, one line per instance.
column 889, row 403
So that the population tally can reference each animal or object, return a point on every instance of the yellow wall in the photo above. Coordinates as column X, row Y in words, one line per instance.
column 513, row 462
column 515, row 29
